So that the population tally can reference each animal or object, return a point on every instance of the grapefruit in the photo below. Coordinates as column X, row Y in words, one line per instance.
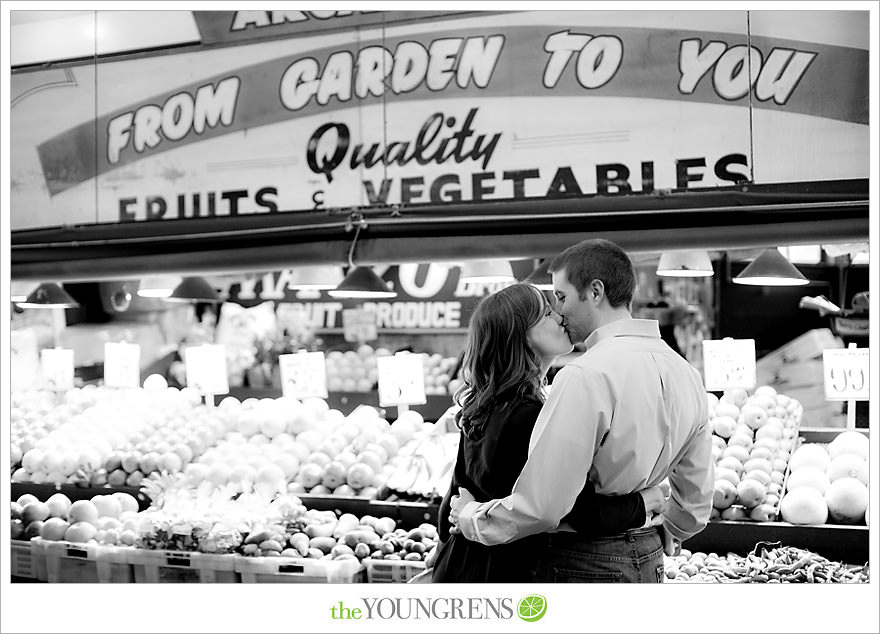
column 805, row 506
column 847, row 500
column 849, row 442
column 810, row 455
column 808, row 477
column 848, row 465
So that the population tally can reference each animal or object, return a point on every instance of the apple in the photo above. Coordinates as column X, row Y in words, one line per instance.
column 15, row 512
column 750, row 492
column 724, row 494
column 360, row 475
column 344, row 490
column 35, row 511
column 763, row 513
column 734, row 513
column 334, row 475
column 116, row 478
column 33, row 529
column 310, row 475
column 723, row 473
column 723, row 426
column 16, row 529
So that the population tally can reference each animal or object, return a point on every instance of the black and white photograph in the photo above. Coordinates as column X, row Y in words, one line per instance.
column 420, row 311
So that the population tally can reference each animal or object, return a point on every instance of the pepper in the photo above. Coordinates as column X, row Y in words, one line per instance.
column 803, row 561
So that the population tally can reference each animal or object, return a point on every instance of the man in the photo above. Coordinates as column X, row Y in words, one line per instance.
column 626, row 414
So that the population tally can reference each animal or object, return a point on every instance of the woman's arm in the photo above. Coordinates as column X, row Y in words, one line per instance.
column 598, row 515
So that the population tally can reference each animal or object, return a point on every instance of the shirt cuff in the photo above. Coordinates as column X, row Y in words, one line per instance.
column 467, row 521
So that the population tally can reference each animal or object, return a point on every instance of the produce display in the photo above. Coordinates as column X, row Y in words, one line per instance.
column 216, row 520
column 768, row 563
column 829, row 483
column 356, row 370
column 107, row 519
column 753, row 436
column 96, row 436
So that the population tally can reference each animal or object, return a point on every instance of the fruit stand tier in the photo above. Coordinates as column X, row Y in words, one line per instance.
column 406, row 514
column 74, row 492
column 848, row 544
column 346, row 402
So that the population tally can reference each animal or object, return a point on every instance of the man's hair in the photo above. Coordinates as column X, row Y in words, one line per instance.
column 598, row 260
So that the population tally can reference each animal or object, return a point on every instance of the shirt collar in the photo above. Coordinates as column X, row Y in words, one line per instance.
column 624, row 328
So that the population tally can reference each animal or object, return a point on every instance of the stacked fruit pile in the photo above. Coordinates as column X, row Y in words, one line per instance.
column 324, row 535
column 301, row 447
column 752, row 436
column 95, row 436
column 356, row 371
column 829, row 482
column 768, row 564
column 106, row 519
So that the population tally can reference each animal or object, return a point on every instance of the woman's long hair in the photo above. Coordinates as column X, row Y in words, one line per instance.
column 498, row 360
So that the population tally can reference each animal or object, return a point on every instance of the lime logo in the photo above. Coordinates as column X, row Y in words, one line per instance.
column 532, row 608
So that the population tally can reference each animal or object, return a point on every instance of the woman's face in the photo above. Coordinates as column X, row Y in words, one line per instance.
column 547, row 337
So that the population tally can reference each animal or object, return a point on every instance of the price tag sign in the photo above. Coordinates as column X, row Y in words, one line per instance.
column 24, row 360
column 206, row 368
column 303, row 374
column 729, row 363
column 846, row 374
column 122, row 364
column 57, row 366
column 401, row 380
column 359, row 324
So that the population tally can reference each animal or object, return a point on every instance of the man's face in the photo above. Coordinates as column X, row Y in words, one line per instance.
column 579, row 315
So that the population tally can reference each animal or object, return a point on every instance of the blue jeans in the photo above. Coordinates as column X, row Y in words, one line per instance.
column 632, row 557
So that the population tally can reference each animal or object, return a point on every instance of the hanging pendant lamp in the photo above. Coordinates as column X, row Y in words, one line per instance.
column 158, row 285
column 487, row 271
column 361, row 282
column 685, row 264
column 194, row 289
column 49, row 295
column 771, row 268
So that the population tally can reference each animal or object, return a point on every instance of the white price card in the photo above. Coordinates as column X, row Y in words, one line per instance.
column 24, row 359
column 206, row 368
column 729, row 363
column 303, row 374
column 359, row 324
column 846, row 374
column 122, row 364
column 57, row 367
column 401, row 380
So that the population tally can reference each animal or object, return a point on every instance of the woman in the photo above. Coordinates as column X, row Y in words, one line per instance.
column 514, row 335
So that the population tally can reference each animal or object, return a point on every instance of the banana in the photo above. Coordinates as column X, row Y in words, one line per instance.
column 404, row 477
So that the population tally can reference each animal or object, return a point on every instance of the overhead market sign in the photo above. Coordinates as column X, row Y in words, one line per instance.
column 237, row 26
column 429, row 297
column 499, row 106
